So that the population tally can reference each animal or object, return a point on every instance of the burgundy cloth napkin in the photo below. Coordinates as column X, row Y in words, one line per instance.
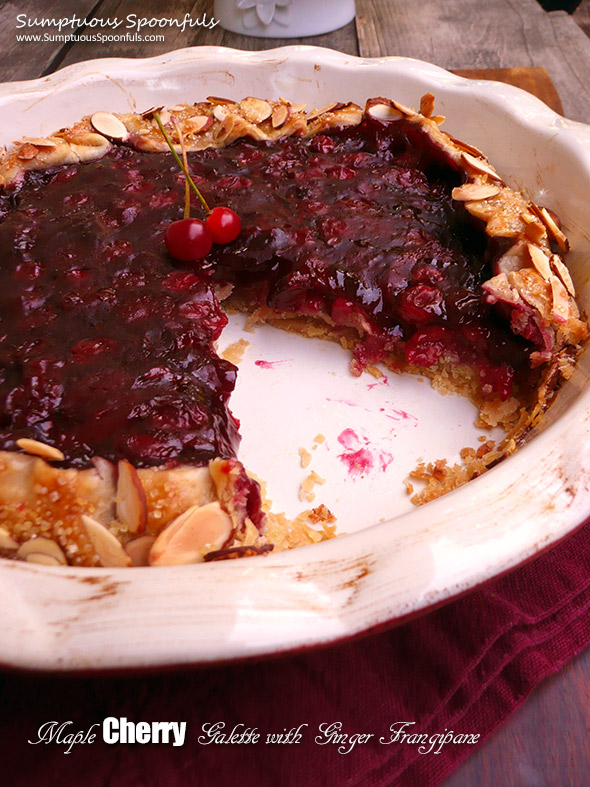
column 461, row 668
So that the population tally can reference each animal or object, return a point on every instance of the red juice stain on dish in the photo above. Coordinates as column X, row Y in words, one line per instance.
column 385, row 459
column 348, row 439
column 346, row 402
column 382, row 381
column 398, row 415
column 270, row 364
column 358, row 457
column 358, row 463
column 394, row 414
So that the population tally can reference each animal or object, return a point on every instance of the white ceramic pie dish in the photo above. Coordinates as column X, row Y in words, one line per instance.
column 395, row 560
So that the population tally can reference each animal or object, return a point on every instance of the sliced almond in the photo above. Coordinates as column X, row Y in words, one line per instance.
column 165, row 117
column 225, row 129
column 534, row 296
column 500, row 290
column 178, row 107
column 109, row 125
column 322, row 111
column 45, row 560
column 292, row 107
column 198, row 123
column 105, row 469
column 438, row 119
column 516, row 258
column 540, row 261
column 554, row 230
column 384, row 112
column 6, row 540
column 479, row 165
column 535, row 231
column 220, row 113
column 561, row 305
column 41, row 142
column 139, row 550
column 131, row 500
column 27, row 152
column 279, row 116
column 42, row 546
column 468, row 148
column 561, row 270
column 427, row 104
column 108, row 548
column 149, row 113
column 403, row 108
column 43, row 450
column 219, row 100
column 390, row 110
column 201, row 529
column 475, row 192
column 256, row 110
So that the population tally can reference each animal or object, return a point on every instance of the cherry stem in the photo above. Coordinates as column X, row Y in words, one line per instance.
column 179, row 162
column 187, row 190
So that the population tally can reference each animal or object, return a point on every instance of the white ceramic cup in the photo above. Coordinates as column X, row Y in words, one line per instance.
column 283, row 18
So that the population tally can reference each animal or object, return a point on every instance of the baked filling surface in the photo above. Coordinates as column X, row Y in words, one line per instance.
column 367, row 228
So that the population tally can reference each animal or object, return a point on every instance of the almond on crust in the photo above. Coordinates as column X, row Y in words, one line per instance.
column 38, row 500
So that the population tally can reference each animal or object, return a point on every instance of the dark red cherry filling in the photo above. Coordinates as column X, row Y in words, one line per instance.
column 105, row 347
column 360, row 225
column 106, row 342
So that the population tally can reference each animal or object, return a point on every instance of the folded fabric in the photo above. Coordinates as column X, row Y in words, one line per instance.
column 458, row 671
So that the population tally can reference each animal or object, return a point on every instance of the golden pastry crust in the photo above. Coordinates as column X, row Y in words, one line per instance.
column 72, row 508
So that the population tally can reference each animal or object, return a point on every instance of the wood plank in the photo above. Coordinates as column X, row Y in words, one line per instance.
column 534, row 80
column 453, row 34
column 569, row 65
column 344, row 39
column 28, row 60
column 582, row 16
column 500, row 34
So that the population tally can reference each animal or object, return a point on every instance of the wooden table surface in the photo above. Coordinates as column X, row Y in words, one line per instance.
column 545, row 744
